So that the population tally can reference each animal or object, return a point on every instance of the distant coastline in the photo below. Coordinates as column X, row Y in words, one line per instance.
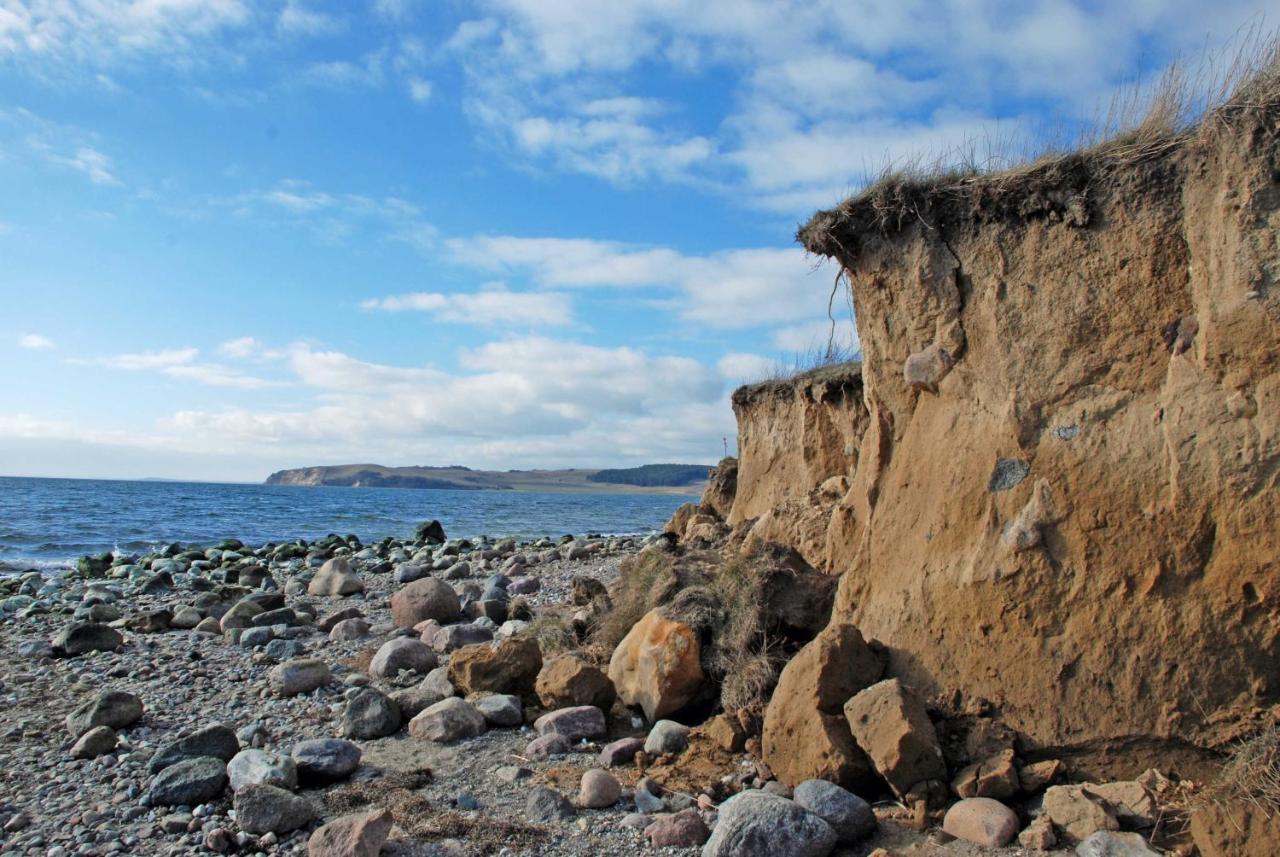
column 646, row 479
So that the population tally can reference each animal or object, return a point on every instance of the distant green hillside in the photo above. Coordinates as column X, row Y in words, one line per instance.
column 654, row 475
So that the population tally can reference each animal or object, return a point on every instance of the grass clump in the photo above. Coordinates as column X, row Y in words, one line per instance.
column 1252, row 774
column 644, row 581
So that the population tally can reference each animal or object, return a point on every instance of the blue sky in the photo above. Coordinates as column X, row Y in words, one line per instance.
column 239, row 236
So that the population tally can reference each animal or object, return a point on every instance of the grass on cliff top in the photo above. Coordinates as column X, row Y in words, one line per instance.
column 1022, row 174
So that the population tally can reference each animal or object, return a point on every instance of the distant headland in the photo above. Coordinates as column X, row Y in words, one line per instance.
column 647, row 478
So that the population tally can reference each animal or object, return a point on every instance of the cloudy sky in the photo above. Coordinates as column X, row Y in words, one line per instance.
column 237, row 236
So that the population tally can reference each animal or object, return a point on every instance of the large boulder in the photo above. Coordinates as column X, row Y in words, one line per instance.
column 850, row 816
column 187, row 783
column 448, row 720
column 335, row 577
column 429, row 532
column 805, row 733
column 759, row 824
column 567, row 680
column 510, row 666
column 424, row 599
column 891, row 725
column 982, row 821
column 81, row 638
column 573, row 724
column 301, row 675
column 254, row 767
column 325, row 760
column 658, row 666
column 218, row 741
column 114, row 708
column 370, row 714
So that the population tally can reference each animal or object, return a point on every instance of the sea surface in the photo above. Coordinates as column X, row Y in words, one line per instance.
column 49, row 523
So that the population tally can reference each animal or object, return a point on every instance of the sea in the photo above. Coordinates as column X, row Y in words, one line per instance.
column 50, row 523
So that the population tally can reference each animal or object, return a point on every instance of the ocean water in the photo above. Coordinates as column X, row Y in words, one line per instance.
column 48, row 523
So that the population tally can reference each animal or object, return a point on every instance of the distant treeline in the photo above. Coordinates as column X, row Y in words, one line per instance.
column 655, row 475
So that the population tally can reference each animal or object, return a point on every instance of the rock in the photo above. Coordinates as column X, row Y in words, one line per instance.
column 186, row 618
column 806, row 735
column 349, row 629
column 581, row 721
column 284, row 650
column 890, row 724
column 546, row 746
column 1038, row 775
column 255, row 767
column 525, row 586
column 1133, row 805
column 328, row 623
column 684, row 829
column 598, row 789
column 429, row 691
column 995, row 777
column 370, row 714
column 667, row 736
column 360, row 834
column 1235, row 828
column 566, row 681
column 726, row 732
column 335, row 577
column 657, row 666
column 117, row 709
column 546, row 806
column 425, row 599
column 850, row 816
column 321, row 761
column 756, row 824
column 1077, row 813
column 454, row 637
column 925, row 369
column 187, row 783
column 982, row 821
column 1038, row 835
column 1104, row 843
column 217, row 742
column 501, row 709
column 96, row 742
column 150, row 621
column 646, row 797
column 269, row 809
column 83, row 637
column 512, row 773
column 208, row 625
column 511, row 666
column 408, row 572
column 302, row 675
column 448, row 720
column 402, row 653
column 620, row 752
column 254, row 638
column 429, row 532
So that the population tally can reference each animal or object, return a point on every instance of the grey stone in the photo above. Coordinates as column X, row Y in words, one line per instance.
column 667, row 736
column 187, row 783
column 1105, row 843
column 546, row 806
column 545, row 746
column 284, row 650
column 850, row 816
column 83, row 637
column 325, row 760
column 448, row 720
column 299, row 676
column 402, row 653
column 217, row 742
column 96, row 742
column 270, row 809
column 370, row 714
column 620, row 752
column 115, row 708
column 575, row 723
column 756, row 824
column 501, row 709
column 254, row 767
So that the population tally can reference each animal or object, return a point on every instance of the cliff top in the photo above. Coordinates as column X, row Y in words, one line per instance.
column 832, row 380
column 1058, row 185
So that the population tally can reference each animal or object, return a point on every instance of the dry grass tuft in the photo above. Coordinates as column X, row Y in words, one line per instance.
column 1252, row 774
column 644, row 581
column 553, row 633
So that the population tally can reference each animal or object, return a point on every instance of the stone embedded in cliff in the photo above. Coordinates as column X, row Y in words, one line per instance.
column 657, row 666
column 890, row 723
column 806, row 735
column 511, row 666
column 925, row 369
column 335, row 577
column 1180, row 334
column 1025, row 531
column 425, row 599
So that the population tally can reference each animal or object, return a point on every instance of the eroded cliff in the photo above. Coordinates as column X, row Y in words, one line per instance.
column 1053, row 491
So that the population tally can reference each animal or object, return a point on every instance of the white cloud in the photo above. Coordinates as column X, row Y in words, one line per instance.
column 151, row 359
column 420, row 90
column 737, row 367
column 334, row 216
column 729, row 289
column 241, row 348
column 181, row 363
column 297, row 20
column 815, row 337
column 495, row 304
column 395, row 10
column 35, row 341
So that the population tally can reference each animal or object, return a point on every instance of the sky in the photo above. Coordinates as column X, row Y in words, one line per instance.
column 242, row 236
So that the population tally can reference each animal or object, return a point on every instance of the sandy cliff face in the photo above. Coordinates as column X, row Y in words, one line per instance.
column 1063, row 456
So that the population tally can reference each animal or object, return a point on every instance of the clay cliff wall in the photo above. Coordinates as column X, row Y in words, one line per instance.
column 1061, row 458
